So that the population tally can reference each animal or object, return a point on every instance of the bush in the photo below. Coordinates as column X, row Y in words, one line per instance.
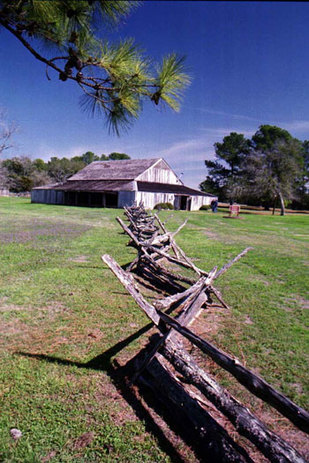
column 204, row 208
column 160, row 206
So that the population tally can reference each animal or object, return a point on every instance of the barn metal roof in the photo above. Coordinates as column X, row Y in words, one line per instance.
column 169, row 188
column 127, row 169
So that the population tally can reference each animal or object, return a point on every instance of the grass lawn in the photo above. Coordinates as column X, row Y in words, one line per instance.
column 63, row 314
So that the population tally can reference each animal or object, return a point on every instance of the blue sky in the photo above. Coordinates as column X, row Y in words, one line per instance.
column 249, row 64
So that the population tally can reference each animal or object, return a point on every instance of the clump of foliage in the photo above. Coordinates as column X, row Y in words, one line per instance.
column 115, row 78
column 204, row 208
column 160, row 206
column 21, row 174
column 272, row 166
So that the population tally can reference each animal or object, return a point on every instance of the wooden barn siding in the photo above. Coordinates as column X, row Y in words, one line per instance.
column 125, row 198
column 198, row 201
column 158, row 174
column 47, row 196
column 151, row 199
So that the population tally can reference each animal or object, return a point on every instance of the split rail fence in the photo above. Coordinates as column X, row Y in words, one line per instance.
column 189, row 296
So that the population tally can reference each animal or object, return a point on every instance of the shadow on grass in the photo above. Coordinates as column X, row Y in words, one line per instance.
column 120, row 376
column 156, row 391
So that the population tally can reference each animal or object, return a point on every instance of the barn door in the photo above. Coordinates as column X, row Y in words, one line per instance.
column 177, row 203
column 183, row 203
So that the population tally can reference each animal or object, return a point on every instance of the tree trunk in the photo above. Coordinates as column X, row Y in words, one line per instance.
column 282, row 212
column 274, row 206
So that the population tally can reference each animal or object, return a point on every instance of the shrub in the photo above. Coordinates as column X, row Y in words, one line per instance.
column 164, row 206
column 204, row 208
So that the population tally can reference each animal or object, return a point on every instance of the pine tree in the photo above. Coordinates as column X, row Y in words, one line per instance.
column 115, row 78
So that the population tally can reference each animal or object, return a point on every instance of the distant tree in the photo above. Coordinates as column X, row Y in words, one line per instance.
column 89, row 157
column 3, row 177
column 225, row 173
column 212, row 185
column 40, row 165
column 275, row 172
column 115, row 78
column 39, row 178
column 269, row 167
column 22, row 175
column 301, row 200
column 306, row 158
column 267, row 136
column 19, row 165
column 60, row 170
column 118, row 156
column 76, row 164
column 7, row 130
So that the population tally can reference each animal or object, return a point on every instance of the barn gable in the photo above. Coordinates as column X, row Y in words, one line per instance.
column 159, row 172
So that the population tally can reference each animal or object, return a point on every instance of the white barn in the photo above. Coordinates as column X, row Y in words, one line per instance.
column 121, row 183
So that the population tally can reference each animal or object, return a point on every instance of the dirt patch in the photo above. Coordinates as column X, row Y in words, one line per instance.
column 83, row 441
column 208, row 323
column 211, row 234
column 248, row 320
column 19, row 333
column 79, row 259
column 49, row 456
column 12, row 328
column 96, row 334
column 297, row 387
column 304, row 302
column 12, row 308
column 298, row 301
column 42, row 312
column 12, row 232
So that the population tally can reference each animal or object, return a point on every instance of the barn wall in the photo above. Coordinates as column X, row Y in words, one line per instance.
column 151, row 199
column 160, row 173
column 126, row 198
column 198, row 201
column 47, row 196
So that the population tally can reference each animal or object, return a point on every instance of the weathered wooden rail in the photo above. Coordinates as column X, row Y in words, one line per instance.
column 191, row 295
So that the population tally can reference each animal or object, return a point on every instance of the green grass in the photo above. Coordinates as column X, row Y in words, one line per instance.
column 58, row 301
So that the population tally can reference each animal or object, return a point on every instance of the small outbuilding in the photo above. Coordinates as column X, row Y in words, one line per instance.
column 121, row 183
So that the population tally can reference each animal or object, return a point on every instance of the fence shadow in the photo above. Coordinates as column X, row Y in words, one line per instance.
column 120, row 376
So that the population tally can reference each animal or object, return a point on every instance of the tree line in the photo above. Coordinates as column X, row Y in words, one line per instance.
column 270, row 169
column 21, row 174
